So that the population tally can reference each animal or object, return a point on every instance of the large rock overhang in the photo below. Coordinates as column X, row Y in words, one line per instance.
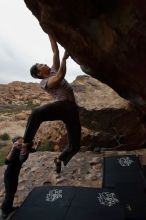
column 107, row 38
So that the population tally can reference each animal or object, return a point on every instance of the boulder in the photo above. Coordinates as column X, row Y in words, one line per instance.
column 110, row 120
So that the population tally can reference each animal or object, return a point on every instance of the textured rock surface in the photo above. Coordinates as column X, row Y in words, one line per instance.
column 106, row 38
column 109, row 120
column 85, row 169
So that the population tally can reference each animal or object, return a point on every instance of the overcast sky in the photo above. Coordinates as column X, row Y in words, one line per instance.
column 23, row 43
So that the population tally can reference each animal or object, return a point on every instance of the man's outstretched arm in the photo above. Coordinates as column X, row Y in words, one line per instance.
column 56, row 59
column 55, row 80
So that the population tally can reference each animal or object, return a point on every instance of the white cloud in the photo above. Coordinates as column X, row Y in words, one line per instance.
column 24, row 43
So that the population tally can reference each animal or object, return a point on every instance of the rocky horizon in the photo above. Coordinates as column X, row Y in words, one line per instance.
column 102, row 117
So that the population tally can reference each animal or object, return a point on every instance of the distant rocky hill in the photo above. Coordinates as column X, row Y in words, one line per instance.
column 107, row 119
column 20, row 94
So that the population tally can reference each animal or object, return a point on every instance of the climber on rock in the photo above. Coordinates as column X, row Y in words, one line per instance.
column 63, row 108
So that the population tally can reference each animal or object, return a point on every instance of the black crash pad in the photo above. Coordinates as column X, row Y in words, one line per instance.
column 144, row 170
column 123, row 169
column 70, row 203
column 133, row 199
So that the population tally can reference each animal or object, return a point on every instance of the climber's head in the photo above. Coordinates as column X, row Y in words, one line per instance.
column 40, row 71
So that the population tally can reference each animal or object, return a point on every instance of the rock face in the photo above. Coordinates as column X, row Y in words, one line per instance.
column 107, row 119
column 106, row 38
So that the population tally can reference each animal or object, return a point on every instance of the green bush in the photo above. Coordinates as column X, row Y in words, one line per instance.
column 5, row 137
column 46, row 146
column 3, row 153
column 30, row 105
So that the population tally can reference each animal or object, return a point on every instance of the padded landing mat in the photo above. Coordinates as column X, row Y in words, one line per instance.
column 144, row 170
column 70, row 203
column 133, row 198
column 122, row 169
